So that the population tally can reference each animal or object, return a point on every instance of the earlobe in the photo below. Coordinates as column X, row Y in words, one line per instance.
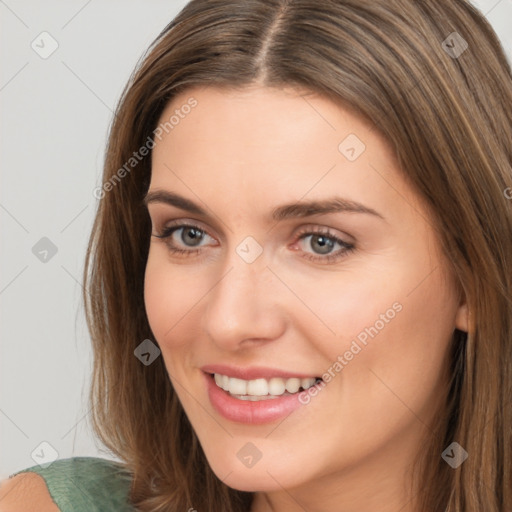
column 462, row 318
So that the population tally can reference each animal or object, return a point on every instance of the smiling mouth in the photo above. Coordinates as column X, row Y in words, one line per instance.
column 263, row 389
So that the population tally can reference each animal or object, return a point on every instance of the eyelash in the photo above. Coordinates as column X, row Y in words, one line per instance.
column 346, row 247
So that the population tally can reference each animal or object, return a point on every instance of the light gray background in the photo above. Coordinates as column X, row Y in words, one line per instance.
column 55, row 116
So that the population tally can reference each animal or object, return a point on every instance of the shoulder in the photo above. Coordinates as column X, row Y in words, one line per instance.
column 74, row 484
column 26, row 492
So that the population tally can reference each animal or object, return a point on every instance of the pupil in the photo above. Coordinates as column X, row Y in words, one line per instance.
column 195, row 237
column 324, row 243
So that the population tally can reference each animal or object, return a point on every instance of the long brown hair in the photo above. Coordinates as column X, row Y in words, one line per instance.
column 433, row 79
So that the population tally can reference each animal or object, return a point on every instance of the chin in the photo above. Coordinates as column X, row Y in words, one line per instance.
column 253, row 482
column 264, row 476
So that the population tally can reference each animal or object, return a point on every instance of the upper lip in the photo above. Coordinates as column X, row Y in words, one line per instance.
column 253, row 372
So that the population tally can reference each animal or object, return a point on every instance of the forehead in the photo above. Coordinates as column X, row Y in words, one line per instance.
column 268, row 119
column 246, row 148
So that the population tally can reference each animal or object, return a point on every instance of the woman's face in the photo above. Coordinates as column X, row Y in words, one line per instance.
column 355, row 291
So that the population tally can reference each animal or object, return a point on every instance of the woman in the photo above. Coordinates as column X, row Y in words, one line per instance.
column 299, row 278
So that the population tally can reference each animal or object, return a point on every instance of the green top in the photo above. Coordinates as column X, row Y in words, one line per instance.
column 86, row 484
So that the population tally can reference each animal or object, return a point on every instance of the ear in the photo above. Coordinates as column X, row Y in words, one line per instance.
column 462, row 315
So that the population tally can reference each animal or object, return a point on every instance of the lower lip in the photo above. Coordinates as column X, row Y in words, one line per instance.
column 246, row 411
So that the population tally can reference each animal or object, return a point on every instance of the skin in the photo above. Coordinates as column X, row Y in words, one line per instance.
column 24, row 493
column 240, row 154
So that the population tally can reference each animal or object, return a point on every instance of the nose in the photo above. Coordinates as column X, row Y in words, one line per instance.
column 244, row 304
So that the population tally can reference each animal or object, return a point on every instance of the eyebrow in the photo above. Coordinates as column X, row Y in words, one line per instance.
column 283, row 212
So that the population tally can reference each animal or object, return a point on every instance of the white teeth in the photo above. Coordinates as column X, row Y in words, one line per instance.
column 251, row 398
column 238, row 386
column 292, row 385
column 262, row 389
column 276, row 386
column 307, row 383
column 258, row 387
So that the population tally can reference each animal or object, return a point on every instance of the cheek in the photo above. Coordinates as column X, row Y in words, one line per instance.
column 168, row 297
column 336, row 307
column 396, row 321
column 402, row 361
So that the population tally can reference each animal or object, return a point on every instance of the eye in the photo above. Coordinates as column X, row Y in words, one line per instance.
column 322, row 241
column 190, row 236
